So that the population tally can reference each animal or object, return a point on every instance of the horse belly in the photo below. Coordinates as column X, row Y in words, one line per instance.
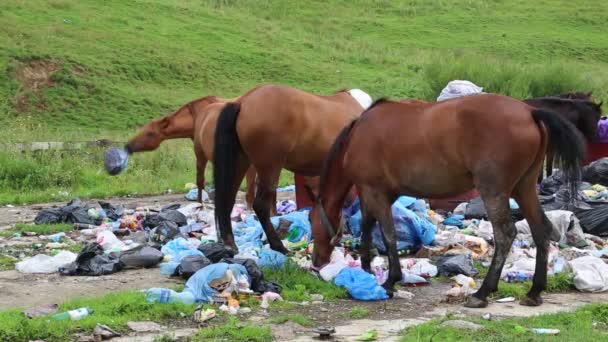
column 433, row 181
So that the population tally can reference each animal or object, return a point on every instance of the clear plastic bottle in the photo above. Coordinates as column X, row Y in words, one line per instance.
column 73, row 315
column 162, row 295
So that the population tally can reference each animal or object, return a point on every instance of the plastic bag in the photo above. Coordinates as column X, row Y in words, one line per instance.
column 116, row 160
column 597, row 172
column 256, row 277
column 590, row 274
column 215, row 251
column 190, row 264
column 143, row 256
column 271, row 258
column 449, row 265
column 360, row 284
column 174, row 216
column 192, row 195
column 248, row 233
column 300, row 227
column 45, row 264
column 566, row 228
column 459, row 88
column 595, row 220
column 411, row 230
column 113, row 212
column 285, row 207
column 109, row 241
column 49, row 216
column 336, row 264
column 165, row 231
column 92, row 261
column 175, row 251
column 199, row 285
column 419, row 267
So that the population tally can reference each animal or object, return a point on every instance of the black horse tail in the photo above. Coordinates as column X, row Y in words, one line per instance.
column 568, row 145
column 226, row 150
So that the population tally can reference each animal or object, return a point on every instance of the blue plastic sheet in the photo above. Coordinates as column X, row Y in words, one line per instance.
column 360, row 284
column 177, row 249
column 271, row 258
column 287, row 188
column 192, row 195
column 300, row 225
column 198, row 284
column 413, row 228
column 248, row 233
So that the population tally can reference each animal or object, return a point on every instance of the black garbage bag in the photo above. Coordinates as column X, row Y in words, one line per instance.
column 174, row 216
column 595, row 220
column 143, row 256
column 256, row 277
column 92, row 262
column 166, row 231
column 450, row 265
column 477, row 210
column 561, row 201
column 49, row 216
column 597, row 172
column 553, row 183
column 190, row 264
column 151, row 221
column 174, row 206
column 113, row 212
column 215, row 251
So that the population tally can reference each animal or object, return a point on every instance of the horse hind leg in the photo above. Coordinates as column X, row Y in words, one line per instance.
column 367, row 224
column 201, row 164
column 541, row 228
column 497, row 206
column 250, row 177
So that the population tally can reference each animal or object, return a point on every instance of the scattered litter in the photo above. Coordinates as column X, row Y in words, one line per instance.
column 41, row 263
column 449, row 265
column 487, row 316
column 360, row 284
column 369, row 335
column 104, row 332
column 505, row 300
column 116, row 160
column 143, row 256
column 162, row 295
column 404, row 294
column 92, row 261
column 542, row 331
column 74, row 315
column 590, row 274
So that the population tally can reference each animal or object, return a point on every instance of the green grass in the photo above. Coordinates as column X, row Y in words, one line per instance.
column 114, row 65
column 235, row 331
column 358, row 312
column 561, row 282
column 298, row 284
column 7, row 263
column 40, row 229
column 575, row 326
column 293, row 317
column 114, row 310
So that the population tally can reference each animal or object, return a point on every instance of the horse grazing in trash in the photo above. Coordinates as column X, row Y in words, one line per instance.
column 180, row 125
column 274, row 127
column 491, row 142
column 578, row 109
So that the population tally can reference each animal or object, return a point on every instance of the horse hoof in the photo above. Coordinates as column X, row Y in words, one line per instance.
column 476, row 303
column 531, row 301
column 389, row 291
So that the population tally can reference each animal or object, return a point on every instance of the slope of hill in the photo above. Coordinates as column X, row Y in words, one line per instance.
column 112, row 65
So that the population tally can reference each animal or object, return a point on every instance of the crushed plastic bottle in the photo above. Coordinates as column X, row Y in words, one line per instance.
column 162, row 295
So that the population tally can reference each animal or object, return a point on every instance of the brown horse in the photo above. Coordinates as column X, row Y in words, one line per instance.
column 180, row 125
column 491, row 142
column 273, row 127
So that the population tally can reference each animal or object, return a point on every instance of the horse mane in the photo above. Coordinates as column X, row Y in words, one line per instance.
column 581, row 95
column 577, row 103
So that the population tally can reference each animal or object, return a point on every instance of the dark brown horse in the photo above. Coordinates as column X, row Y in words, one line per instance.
column 491, row 142
column 180, row 125
column 584, row 114
column 273, row 127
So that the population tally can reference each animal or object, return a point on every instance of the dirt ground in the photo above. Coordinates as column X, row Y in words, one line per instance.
column 387, row 317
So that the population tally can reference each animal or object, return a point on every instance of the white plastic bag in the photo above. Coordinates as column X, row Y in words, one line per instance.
column 337, row 263
column 590, row 274
column 109, row 241
column 44, row 263
column 458, row 88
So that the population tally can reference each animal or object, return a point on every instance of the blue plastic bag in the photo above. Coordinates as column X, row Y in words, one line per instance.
column 271, row 258
column 192, row 195
column 177, row 249
column 360, row 284
column 300, row 224
column 248, row 233
column 413, row 229
column 198, row 284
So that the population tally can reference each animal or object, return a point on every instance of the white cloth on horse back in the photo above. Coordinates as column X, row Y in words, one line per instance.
column 458, row 88
column 362, row 97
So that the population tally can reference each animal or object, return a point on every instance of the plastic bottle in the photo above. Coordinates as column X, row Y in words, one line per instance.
column 55, row 237
column 73, row 315
column 162, row 295
column 559, row 265
column 80, row 226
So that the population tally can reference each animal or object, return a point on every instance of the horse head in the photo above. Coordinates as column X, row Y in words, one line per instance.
column 179, row 124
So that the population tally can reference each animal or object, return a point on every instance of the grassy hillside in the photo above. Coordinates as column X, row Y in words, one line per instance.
column 73, row 70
